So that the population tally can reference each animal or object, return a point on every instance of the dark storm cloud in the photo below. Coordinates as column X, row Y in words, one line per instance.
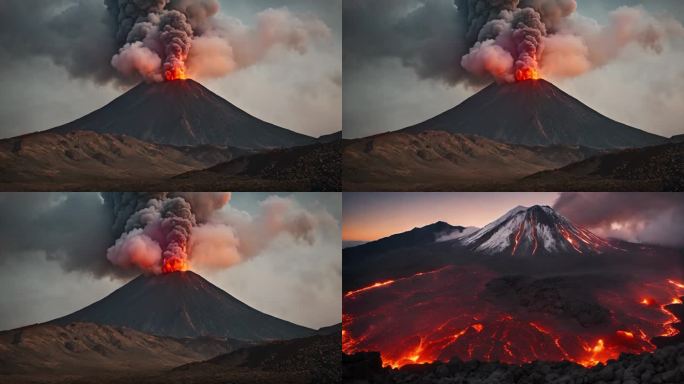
column 656, row 218
column 74, row 35
column 72, row 229
column 424, row 35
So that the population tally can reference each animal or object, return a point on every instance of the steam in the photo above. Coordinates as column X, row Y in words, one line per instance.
column 653, row 218
column 475, row 41
column 167, row 232
column 155, row 40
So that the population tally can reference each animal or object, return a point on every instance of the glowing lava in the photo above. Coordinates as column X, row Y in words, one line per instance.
column 175, row 264
column 527, row 73
column 175, row 73
column 438, row 315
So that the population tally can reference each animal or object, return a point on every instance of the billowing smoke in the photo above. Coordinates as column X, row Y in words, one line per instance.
column 652, row 218
column 545, row 38
column 167, row 232
column 156, row 40
column 474, row 41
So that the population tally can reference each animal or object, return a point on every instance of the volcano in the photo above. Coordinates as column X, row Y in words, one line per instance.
column 183, row 113
column 535, row 113
column 183, row 304
column 535, row 231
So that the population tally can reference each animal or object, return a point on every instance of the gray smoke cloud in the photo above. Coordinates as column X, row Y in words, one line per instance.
column 166, row 232
column 475, row 41
column 128, row 40
column 654, row 218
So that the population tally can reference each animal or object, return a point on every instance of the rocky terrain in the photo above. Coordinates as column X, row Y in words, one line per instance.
column 664, row 366
column 80, row 160
column 438, row 160
column 90, row 161
column 659, row 168
column 309, row 168
column 51, row 352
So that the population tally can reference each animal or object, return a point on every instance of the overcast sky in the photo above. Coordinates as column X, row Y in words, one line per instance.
column 301, row 92
column 391, row 63
column 292, row 280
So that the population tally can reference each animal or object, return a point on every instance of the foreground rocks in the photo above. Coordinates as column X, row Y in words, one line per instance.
column 664, row 366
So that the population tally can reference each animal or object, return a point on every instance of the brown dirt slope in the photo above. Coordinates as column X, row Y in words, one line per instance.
column 436, row 160
column 45, row 352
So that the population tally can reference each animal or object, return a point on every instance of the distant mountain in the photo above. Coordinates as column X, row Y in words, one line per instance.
column 534, row 231
column 329, row 330
column 183, row 304
column 183, row 113
column 413, row 238
column 658, row 168
column 336, row 136
column 437, row 160
column 535, row 112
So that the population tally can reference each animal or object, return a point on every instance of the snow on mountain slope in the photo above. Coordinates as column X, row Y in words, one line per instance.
column 532, row 231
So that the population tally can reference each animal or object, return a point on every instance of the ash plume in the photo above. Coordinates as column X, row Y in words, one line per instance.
column 167, row 232
column 475, row 41
column 652, row 218
column 155, row 40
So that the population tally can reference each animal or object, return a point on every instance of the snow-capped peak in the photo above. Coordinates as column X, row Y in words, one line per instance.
column 531, row 231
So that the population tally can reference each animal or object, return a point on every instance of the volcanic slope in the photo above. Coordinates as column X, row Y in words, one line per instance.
column 183, row 113
column 183, row 304
column 535, row 112
column 534, row 231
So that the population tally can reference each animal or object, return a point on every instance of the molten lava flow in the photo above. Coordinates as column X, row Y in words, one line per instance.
column 527, row 73
column 364, row 289
column 175, row 73
column 442, row 314
column 175, row 264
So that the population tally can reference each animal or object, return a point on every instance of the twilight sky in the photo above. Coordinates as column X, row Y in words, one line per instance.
column 397, row 56
column 298, row 91
column 656, row 218
column 294, row 280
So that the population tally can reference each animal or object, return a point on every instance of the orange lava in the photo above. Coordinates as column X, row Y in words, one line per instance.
column 175, row 264
column 376, row 285
column 428, row 317
column 527, row 74
column 177, row 73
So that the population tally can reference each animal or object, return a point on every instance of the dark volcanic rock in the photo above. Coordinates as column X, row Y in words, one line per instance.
column 664, row 366
column 183, row 113
column 314, row 167
column 183, row 304
column 536, row 112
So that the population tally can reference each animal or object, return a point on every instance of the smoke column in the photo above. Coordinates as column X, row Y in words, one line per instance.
column 169, row 232
column 516, row 40
column 172, row 39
